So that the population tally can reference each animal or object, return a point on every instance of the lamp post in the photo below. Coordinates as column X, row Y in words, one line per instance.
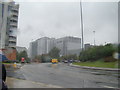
column 94, row 37
column 81, row 24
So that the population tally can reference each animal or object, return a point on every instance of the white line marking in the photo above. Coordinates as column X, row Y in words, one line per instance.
column 109, row 87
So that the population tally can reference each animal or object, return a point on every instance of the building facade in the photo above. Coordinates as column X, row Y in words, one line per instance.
column 69, row 45
column 45, row 44
column 33, row 49
column 41, row 46
column 8, row 28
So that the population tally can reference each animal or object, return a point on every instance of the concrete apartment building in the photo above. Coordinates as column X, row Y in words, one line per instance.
column 45, row 44
column 8, row 28
column 33, row 49
column 41, row 46
column 69, row 45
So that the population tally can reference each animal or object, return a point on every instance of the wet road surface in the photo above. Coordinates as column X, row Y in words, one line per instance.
column 19, row 83
column 68, row 77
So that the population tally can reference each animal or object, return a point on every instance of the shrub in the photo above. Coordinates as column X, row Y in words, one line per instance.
column 109, row 59
column 97, row 52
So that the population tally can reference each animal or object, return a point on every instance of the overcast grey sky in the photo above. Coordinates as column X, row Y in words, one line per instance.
column 59, row 19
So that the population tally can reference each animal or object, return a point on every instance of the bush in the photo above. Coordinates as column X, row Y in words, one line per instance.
column 97, row 52
column 109, row 59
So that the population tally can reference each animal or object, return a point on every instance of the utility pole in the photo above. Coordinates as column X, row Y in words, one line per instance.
column 81, row 24
column 94, row 37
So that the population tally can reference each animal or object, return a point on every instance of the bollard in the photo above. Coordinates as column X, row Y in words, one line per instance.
column 15, row 65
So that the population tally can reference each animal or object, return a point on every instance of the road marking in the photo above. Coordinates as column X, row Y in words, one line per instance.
column 109, row 87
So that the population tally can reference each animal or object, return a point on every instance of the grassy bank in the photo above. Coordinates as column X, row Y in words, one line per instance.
column 7, row 63
column 99, row 63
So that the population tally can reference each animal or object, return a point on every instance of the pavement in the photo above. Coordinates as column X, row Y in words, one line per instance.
column 19, row 83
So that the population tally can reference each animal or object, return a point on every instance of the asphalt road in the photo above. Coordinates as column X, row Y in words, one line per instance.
column 69, row 77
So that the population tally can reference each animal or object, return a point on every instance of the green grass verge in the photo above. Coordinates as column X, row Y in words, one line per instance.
column 99, row 63
column 7, row 63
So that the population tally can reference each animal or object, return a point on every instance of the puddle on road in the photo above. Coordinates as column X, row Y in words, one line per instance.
column 49, row 65
column 106, row 74
column 56, row 66
column 98, row 82
column 96, row 73
column 14, row 74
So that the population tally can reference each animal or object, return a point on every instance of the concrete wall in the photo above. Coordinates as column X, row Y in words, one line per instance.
column 9, row 53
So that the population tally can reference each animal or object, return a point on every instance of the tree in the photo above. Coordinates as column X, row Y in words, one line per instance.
column 38, row 57
column 22, row 54
column 119, row 48
column 54, row 53
column 43, row 58
column 69, row 57
column 97, row 52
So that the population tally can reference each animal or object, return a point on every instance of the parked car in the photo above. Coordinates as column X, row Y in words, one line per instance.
column 76, row 60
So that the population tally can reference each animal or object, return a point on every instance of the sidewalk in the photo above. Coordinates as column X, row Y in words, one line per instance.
column 96, row 68
column 19, row 83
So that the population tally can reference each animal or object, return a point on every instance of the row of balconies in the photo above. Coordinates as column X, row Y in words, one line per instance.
column 13, row 21
column 12, row 28
column 15, row 10
column 14, row 13
column 12, row 44
column 12, row 38
column 13, row 24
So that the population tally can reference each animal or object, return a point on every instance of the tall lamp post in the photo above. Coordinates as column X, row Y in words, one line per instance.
column 94, row 37
column 81, row 24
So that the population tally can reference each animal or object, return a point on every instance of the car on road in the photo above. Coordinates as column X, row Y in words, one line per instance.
column 65, row 61
column 54, row 61
column 76, row 60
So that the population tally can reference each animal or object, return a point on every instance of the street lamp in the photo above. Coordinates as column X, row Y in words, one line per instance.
column 94, row 37
column 81, row 24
